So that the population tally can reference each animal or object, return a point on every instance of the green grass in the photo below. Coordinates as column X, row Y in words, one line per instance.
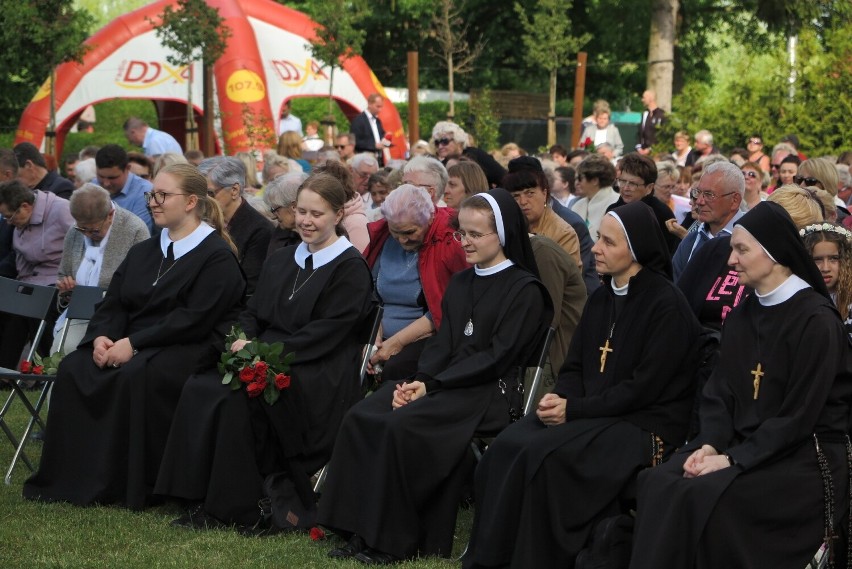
column 35, row 535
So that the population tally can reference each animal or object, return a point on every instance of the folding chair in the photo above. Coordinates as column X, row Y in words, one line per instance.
column 35, row 301
column 376, row 320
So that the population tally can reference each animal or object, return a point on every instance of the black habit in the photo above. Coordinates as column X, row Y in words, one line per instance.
column 396, row 476
column 222, row 443
column 662, row 213
column 540, row 489
column 108, row 427
column 250, row 232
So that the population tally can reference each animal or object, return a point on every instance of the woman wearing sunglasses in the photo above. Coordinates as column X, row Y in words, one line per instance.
column 753, row 175
column 448, row 139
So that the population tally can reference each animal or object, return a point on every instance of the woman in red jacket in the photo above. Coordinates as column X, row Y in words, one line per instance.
column 412, row 271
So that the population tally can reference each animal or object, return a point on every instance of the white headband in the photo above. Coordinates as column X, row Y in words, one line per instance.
column 627, row 235
column 498, row 217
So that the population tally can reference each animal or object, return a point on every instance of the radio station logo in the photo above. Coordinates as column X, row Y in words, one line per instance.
column 139, row 74
column 292, row 74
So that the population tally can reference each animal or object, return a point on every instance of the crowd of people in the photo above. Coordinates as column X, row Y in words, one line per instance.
column 696, row 393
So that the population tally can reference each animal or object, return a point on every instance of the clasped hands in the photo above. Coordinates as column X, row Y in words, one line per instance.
column 551, row 409
column 704, row 461
column 405, row 393
column 111, row 354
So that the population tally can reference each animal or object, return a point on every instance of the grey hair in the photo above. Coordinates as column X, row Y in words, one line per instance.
column 668, row 168
column 784, row 147
column 272, row 158
column 845, row 179
column 207, row 164
column 704, row 136
column 282, row 190
column 364, row 158
column 432, row 166
column 227, row 172
column 459, row 135
column 86, row 169
column 732, row 179
column 90, row 203
column 408, row 203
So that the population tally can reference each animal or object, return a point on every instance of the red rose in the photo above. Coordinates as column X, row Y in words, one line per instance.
column 38, row 370
column 282, row 381
column 255, row 388
column 260, row 369
column 26, row 367
column 317, row 534
column 587, row 142
column 247, row 374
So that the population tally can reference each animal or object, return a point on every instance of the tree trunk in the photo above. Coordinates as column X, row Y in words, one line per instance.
column 551, row 116
column 450, row 84
column 661, row 50
column 191, row 129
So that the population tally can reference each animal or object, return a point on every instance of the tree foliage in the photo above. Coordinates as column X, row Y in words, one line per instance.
column 194, row 31
column 36, row 37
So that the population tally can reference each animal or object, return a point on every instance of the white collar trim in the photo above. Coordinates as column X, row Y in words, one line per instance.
column 784, row 292
column 502, row 266
column 324, row 256
column 188, row 243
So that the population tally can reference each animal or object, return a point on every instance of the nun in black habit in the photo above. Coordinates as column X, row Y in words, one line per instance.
column 765, row 482
column 622, row 400
column 396, row 474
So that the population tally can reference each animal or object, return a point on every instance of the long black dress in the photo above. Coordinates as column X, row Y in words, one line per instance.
column 540, row 489
column 395, row 477
column 107, row 427
column 222, row 444
column 768, row 510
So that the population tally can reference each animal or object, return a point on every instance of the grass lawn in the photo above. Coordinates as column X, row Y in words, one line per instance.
column 58, row 535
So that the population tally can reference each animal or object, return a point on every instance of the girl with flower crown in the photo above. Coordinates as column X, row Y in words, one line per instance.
column 830, row 247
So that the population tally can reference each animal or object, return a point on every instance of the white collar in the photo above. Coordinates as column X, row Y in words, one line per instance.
column 324, row 256
column 783, row 293
column 188, row 243
column 619, row 290
column 502, row 266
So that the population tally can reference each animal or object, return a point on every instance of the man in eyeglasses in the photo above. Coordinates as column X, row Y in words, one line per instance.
column 125, row 188
column 717, row 200
column 368, row 130
column 345, row 146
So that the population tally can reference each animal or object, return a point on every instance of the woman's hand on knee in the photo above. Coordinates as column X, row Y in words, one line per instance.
column 405, row 393
column 101, row 345
column 551, row 409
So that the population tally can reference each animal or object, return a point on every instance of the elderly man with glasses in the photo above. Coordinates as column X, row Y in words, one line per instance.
column 717, row 199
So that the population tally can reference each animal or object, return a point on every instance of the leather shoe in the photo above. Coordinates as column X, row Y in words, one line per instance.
column 353, row 547
column 372, row 556
column 197, row 518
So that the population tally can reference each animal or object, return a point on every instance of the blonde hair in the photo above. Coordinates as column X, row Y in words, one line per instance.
column 290, row 144
column 823, row 170
column 192, row 183
column 167, row 159
column 804, row 207
column 249, row 161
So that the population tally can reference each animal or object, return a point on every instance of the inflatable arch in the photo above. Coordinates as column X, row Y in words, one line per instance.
column 267, row 62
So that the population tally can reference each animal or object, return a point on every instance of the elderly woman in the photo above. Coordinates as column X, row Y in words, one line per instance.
column 250, row 231
column 94, row 248
column 668, row 176
column 765, row 482
column 274, row 165
column 85, row 171
column 682, row 147
column 595, row 175
column 412, row 271
column 464, row 179
column 280, row 197
column 429, row 174
column 448, row 139
column 603, row 131
column 528, row 185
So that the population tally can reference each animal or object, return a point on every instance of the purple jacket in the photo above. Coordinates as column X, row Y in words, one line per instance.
column 38, row 246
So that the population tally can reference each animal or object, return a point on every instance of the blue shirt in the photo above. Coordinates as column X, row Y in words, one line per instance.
column 132, row 198
column 158, row 142
column 398, row 284
column 693, row 242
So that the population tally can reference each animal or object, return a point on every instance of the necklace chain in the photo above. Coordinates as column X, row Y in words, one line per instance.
column 159, row 276
column 295, row 290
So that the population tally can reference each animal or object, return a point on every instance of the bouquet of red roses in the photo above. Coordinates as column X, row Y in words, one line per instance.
column 42, row 366
column 258, row 365
column 588, row 145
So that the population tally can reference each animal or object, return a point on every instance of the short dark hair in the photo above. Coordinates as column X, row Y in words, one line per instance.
column 13, row 194
column 579, row 152
column 598, row 168
column 139, row 158
column 111, row 155
column 792, row 159
column 636, row 164
column 558, row 149
column 566, row 173
column 27, row 151
column 524, row 180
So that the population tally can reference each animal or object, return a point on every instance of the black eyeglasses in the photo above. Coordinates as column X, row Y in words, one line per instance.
column 799, row 180
column 442, row 141
column 160, row 197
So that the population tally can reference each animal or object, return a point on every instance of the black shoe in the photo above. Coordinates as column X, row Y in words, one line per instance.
column 197, row 518
column 353, row 547
column 372, row 556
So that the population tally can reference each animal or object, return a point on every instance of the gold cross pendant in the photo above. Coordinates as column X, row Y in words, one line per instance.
column 757, row 373
column 605, row 349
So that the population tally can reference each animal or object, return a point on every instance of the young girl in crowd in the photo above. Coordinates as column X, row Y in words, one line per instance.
column 830, row 246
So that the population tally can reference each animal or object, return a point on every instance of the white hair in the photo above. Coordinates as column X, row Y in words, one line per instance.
column 431, row 166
